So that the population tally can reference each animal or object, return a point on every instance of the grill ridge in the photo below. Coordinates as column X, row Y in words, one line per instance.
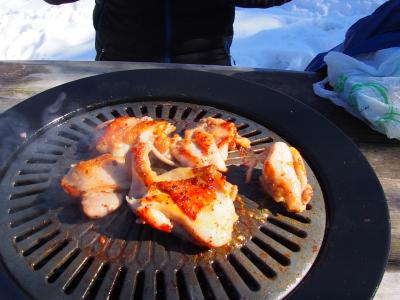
column 116, row 113
column 26, row 216
column 58, row 142
column 89, row 122
column 289, row 228
column 226, row 282
column 49, row 253
column 31, row 230
column 181, row 285
column 250, row 252
column 77, row 274
column 251, row 133
column 204, row 284
column 63, row 263
column 25, row 203
column 280, row 238
column 279, row 257
column 139, row 285
column 48, row 151
column 102, row 117
column 81, row 128
column 95, row 276
column 115, row 288
column 73, row 136
column 244, row 274
column 42, row 240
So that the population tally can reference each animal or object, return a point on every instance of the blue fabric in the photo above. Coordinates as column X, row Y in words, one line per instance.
column 380, row 30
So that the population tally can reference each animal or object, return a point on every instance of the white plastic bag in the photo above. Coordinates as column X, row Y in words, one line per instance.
column 368, row 87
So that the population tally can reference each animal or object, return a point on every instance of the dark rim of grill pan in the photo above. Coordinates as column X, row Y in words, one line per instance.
column 351, row 263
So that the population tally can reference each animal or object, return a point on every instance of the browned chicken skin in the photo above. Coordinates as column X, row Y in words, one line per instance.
column 195, row 204
column 208, row 144
column 118, row 136
column 284, row 176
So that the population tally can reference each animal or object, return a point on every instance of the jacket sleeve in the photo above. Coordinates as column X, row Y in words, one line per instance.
column 260, row 3
column 58, row 2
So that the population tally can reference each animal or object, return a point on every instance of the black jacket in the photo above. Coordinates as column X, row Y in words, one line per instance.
column 181, row 31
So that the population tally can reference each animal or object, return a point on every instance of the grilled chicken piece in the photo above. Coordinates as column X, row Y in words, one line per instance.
column 284, row 177
column 194, row 204
column 197, row 149
column 119, row 135
column 207, row 144
column 142, row 174
column 98, row 182
column 225, row 135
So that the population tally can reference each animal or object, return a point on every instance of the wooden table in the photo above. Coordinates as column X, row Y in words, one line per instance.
column 22, row 79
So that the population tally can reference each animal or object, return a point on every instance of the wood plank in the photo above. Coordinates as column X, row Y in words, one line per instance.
column 384, row 159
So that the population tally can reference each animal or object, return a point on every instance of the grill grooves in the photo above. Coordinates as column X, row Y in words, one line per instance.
column 54, row 274
column 116, row 258
column 95, row 281
column 144, row 110
column 35, row 228
column 200, row 115
column 49, row 151
column 89, row 122
column 25, row 203
column 261, row 141
column 58, row 143
column 34, row 171
column 22, row 191
column 242, row 126
column 186, row 113
column 70, row 136
column 181, row 285
column 27, row 218
column 80, row 129
column 251, row 133
column 115, row 113
column 40, row 242
column 279, row 257
column 139, row 285
column 158, row 111
column 160, row 285
column 300, row 233
column 280, row 239
column 246, row 276
column 256, row 260
column 129, row 111
column 297, row 217
column 102, row 117
column 227, row 284
column 30, row 181
column 204, row 284
column 42, row 160
column 49, row 254
column 77, row 275
column 117, row 284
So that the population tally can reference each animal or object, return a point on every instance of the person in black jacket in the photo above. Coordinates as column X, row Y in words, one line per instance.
column 177, row 31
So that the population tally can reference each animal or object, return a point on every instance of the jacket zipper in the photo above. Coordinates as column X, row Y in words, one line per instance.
column 167, row 31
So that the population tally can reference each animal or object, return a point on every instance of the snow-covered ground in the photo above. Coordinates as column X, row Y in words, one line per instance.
column 285, row 37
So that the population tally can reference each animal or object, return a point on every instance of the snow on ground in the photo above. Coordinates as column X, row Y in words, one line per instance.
column 285, row 37
column 33, row 29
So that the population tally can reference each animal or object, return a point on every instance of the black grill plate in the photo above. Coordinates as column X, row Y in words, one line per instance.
column 53, row 251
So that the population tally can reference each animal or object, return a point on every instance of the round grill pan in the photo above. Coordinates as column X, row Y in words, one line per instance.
column 51, row 250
